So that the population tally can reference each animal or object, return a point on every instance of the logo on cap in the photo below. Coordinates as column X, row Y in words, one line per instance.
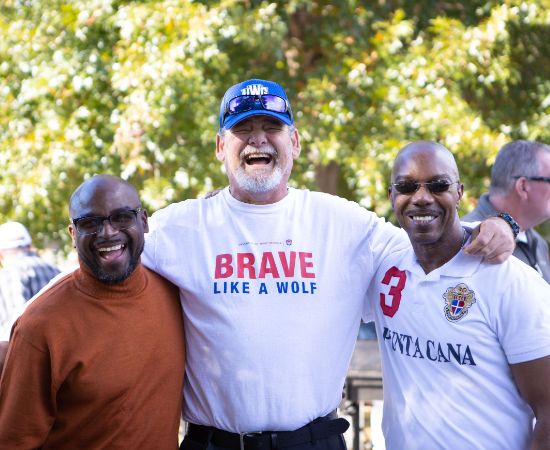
column 254, row 89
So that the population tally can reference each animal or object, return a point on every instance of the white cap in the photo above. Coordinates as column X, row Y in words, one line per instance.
column 13, row 235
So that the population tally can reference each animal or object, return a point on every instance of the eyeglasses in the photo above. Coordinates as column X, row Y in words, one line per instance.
column 121, row 220
column 435, row 187
column 268, row 102
column 543, row 179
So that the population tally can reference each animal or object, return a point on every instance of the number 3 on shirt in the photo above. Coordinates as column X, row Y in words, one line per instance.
column 390, row 307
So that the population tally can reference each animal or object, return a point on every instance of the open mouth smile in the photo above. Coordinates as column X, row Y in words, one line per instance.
column 422, row 219
column 258, row 158
column 112, row 252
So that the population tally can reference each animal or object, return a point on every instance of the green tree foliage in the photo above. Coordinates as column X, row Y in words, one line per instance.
column 133, row 88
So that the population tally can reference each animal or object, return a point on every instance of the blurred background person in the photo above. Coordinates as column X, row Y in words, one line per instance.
column 520, row 185
column 23, row 271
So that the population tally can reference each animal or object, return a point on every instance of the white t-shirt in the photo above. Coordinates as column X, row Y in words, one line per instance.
column 446, row 341
column 272, row 297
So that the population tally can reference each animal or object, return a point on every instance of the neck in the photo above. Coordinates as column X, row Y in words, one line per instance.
column 261, row 198
column 511, row 205
column 433, row 255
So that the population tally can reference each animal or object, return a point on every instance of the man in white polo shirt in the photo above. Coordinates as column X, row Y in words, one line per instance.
column 465, row 345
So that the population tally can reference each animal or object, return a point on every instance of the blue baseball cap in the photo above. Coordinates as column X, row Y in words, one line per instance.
column 255, row 88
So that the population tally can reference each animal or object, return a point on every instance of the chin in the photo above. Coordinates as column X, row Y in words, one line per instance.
column 113, row 275
column 423, row 238
column 259, row 184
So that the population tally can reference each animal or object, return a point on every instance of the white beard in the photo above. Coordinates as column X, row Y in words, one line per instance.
column 259, row 183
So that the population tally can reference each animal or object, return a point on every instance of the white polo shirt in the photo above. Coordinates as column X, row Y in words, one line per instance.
column 446, row 341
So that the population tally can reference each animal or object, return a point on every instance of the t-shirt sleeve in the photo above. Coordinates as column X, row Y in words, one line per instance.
column 148, row 255
column 161, row 230
column 385, row 239
column 523, row 319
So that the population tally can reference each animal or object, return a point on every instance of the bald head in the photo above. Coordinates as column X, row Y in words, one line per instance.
column 416, row 153
column 98, row 188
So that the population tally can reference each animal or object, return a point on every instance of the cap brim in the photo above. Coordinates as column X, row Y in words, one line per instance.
column 234, row 119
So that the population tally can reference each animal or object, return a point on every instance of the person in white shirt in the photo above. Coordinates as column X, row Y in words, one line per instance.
column 465, row 345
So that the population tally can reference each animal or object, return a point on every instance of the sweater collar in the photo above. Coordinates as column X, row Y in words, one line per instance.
column 89, row 284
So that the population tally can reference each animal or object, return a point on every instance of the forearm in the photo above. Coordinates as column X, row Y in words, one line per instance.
column 532, row 381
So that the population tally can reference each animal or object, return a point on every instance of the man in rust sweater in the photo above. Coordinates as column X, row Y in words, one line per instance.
column 97, row 361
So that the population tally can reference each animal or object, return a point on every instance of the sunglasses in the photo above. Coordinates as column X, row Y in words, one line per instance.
column 544, row 179
column 121, row 220
column 435, row 187
column 268, row 102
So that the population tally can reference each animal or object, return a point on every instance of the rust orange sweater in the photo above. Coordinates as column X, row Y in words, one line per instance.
column 95, row 366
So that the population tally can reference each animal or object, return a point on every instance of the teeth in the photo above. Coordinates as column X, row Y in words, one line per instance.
column 258, row 156
column 110, row 249
column 423, row 218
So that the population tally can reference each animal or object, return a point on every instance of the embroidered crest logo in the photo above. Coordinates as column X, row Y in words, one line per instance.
column 457, row 302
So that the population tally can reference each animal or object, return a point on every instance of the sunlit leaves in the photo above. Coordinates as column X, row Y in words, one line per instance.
column 133, row 88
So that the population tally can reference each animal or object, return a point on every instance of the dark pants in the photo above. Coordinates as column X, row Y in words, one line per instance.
column 335, row 442
column 323, row 433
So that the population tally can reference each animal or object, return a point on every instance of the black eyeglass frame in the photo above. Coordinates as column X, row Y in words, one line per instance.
column 534, row 178
column 251, row 105
column 100, row 220
column 444, row 186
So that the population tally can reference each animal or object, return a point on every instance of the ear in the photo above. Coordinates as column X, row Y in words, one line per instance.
column 296, row 147
column 460, row 191
column 391, row 197
column 220, row 142
column 521, row 188
column 72, row 231
column 144, row 217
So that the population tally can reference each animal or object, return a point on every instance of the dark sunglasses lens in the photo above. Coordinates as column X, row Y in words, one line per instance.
column 438, row 186
column 241, row 104
column 406, row 188
column 273, row 103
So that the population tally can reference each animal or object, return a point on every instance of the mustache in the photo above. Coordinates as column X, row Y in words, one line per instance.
column 264, row 149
